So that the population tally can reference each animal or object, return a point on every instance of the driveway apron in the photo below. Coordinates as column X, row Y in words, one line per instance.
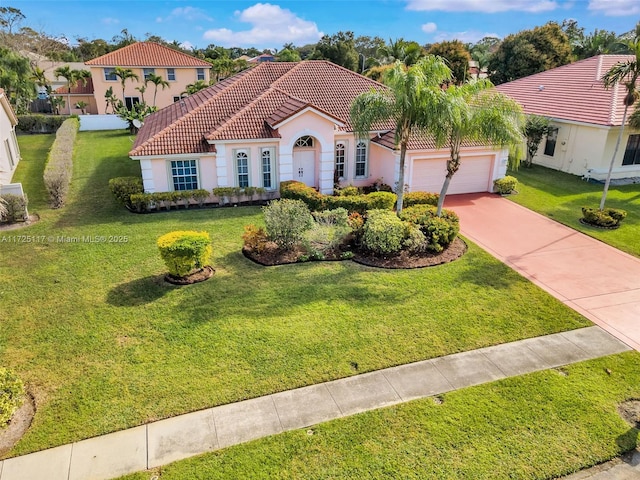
column 598, row 281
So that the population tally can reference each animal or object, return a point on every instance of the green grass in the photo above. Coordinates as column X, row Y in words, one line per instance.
column 104, row 344
column 561, row 196
column 536, row 426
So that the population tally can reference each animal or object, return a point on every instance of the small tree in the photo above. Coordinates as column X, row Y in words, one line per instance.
column 82, row 106
column 534, row 129
column 157, row 81
column 125, row 74
column 57, row 103
column 139, row 112
column 195, row 87
column 287, row 221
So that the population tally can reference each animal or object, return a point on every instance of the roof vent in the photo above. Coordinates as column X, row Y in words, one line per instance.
column 540, row 88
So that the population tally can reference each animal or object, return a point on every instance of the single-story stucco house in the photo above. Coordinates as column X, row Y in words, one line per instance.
column 9, row 150
column 586, row 116
column 290, row 121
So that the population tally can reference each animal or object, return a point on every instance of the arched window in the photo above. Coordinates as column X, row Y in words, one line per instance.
column 361, row 159
column 305, row 142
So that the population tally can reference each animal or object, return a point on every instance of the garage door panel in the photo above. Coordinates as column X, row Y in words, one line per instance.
column 473, row 176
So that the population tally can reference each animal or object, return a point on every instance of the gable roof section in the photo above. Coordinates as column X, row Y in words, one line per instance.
column 147, row 54
column 4, row 101
column 572, row 92
column 243, row 107
column 79, row 89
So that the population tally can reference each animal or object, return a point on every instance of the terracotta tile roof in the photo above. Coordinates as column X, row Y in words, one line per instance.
column 243, row 106
column 147, row 54
column 417, row 141
column 79, row 89
column 572, row 92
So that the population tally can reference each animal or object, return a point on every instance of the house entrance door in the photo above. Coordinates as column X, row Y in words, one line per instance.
column 304, row 166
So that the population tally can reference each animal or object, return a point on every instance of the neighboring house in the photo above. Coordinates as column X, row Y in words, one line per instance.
column 586, row 118
column 9, row 151
column 79, row 93
column 265, row 57
column 145, row 58
column 290, row 121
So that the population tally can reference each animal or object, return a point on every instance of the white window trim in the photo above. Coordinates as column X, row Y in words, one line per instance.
column 144, row 75
column 235, row 166
column 366, row 159
column 7, row 146
column 204, row 74
column 170, row 172
column 174, row 75
column 346, row 157
column 274, row 176
column 556, row 131
column 104, row 74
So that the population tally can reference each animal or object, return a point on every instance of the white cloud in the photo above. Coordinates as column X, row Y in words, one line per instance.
column 110, row 21
column 187, row 45
column 469, row 36
column 485, row 6
column 191, row 14
column 429, row 27
column 615, row 8
column 271, row 25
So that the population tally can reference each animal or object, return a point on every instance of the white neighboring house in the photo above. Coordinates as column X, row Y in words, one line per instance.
column 9, row 150
column 586, row 116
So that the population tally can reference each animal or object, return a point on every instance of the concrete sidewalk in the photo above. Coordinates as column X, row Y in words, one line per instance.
column 176, row 438
column 596, row 280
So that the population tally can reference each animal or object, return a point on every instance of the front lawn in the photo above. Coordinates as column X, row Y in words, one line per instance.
column 561, row 196
column 536, row 426
column 104, row 344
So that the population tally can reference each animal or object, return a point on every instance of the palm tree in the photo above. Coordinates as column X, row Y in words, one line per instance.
column 408, row 104
column 627, row 73
column 402, row 50
column 73, row 77
column 142, row 89
column 195, row 87
column 124, row 74
column 56, row 104
column 158, row 81
column 111, row 100
column 474, row 111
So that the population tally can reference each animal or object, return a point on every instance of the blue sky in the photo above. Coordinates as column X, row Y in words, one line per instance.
column 271, row 24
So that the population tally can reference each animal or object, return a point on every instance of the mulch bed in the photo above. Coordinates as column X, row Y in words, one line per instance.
column 201, row 275
column 595, row 225
column 273, row 256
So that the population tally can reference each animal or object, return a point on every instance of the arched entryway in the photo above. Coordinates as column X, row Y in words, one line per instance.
column 304, row 160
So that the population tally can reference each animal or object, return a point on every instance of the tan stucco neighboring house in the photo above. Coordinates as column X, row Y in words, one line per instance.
column 586, row 116
column 9, row 150
column 82, row 92
column 290, row 121
column 144, row 58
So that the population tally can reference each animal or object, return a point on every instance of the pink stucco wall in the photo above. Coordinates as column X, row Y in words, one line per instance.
column 184, row 76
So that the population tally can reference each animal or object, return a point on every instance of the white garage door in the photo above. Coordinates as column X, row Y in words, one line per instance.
column 473, row 176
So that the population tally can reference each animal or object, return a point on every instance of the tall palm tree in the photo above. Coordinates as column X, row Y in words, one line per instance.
column 158, row 81
column 124, row 74
column 73, row 77
column 195, row 87
column 406, row 52
column 626, row 73
column 414, row 94
column 476, row 112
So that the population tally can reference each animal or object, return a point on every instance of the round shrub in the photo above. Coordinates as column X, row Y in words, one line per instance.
column 383, row 233
column 420, row 198
column 439, row 231
column 184, row 252
column 294, row 190
column 608, row 218
column 505, row 185
column 123, row 187
column 382, row 200
column 286, row 221
column 11, row 395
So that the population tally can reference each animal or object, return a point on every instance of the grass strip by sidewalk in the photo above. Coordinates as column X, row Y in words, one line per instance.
column 536, row 426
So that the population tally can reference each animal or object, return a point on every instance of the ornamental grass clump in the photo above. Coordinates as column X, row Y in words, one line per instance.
column 57, row 172
column 185, row 252
column 11, row 395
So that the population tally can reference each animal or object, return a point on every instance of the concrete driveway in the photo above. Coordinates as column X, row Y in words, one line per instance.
column 598, row 281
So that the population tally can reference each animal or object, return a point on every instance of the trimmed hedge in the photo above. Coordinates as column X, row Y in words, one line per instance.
column 419, row 198
column 11, row 395
column 59, row 167
column 123, row 187
column 184, row 252
column 316, row 201
column 144, row 202
column 608, row 218
column 37, row 123
column 16, row 207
